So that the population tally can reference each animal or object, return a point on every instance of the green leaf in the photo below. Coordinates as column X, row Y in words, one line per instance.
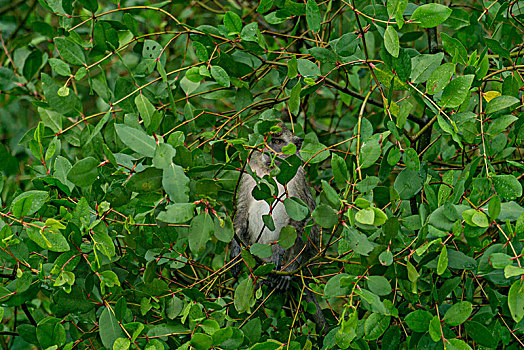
column 84, row 172
column 287, row 237
column 292, row 67
column 458, row 313
column 121, row 344
column 32, row 64
column 173, row 307
column 386, row 258
column 359, row 242
column 244, row 295
column 263, row 251
column 51, row 119
column 69, row 105
column 148, row 180
column 200, row 232
column 109, row 328
column 365, row 216
column 201, row 341
column 8, row 79
column 434, row 329
column 109, row 278
column 455, row 48
column 369, row 153
column 28, row 203
column 307, row 68
column 312, row 150
column 313, row 16
column 411, row 159
column 500, row 124
column 500, row 260
column 325, row 216
column 439, row 78
column 380, row 217
column 368, row 184
column 233, row 23
column 177, row 213
column 267, row 219
column 507, row 186
column 396, row 9
column 413, row 274
column 250, row 32
column 264, row 269
column 379, row 285
column 50, row 331
column 516, row 300
column 153, row 50
column 408, row 183
column 501, row 102
column 101, row 123
column 480, row 334
column 136, row 139
column 224, row 230
column 188, row 86
column 230, row 341
column 418, row 321
column 475, row 218
column 289, row 149
column 391, row 41
column 200, row 51
column 480, row 219
column 264, row 6
column 394, row 156
column 424, row 65
column 376, row 324
column 512, row 271
column 47, row 237
column 322, row 54
column 91, row 5
column 456, row 91
column 220, row 76
column 494, row 207
column 457, row 344
column 163, row 157
column 294, row 101
column 442, row 264
column 347, row 44
column 103, row 241
column 430, row 15
column 176, row 183
column 70, row 51
column 296, row 208
column 145, row 108
column 340, row 170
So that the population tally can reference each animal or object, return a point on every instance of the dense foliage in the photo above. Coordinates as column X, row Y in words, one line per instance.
column 125, row 126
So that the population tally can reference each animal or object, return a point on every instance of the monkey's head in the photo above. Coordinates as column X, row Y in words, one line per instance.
column 262, row 160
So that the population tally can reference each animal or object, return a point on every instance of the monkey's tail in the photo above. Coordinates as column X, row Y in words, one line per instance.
column 318, row 317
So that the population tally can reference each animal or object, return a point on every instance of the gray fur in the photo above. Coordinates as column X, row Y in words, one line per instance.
column 248, row 223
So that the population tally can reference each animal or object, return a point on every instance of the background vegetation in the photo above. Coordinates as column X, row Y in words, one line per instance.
column 125, row 125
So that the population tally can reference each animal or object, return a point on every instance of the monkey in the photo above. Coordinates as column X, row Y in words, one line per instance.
column 250, row 228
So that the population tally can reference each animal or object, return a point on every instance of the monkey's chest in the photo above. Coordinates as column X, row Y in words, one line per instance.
column 257, row 228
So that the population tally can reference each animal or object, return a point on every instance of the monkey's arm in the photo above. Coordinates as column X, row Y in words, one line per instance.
column 241, row 225
column 236, row 249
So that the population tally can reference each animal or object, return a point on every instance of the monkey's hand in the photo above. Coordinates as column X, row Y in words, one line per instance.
column 279, row 283
column 236, row 258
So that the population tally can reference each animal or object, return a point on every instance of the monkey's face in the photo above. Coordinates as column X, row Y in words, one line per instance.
column 275, row 148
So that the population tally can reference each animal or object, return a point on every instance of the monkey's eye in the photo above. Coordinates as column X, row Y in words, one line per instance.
column 277, row 141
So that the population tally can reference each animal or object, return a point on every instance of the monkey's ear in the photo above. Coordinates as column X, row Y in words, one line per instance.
column 298, row 142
